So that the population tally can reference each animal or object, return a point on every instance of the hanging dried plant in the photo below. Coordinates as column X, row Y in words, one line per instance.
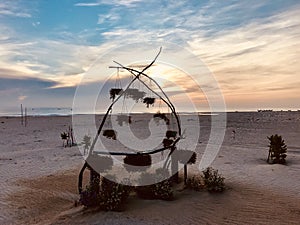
column 162, row 116
column 134, row 94
column 111, row 134
column 149, row 101
column 113, row 92
column 171, row 134
column 139, row 162
column 167, row 142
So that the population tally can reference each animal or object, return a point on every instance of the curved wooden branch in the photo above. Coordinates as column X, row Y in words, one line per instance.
column 111, row 105
column 81, row 177
column 169, row 103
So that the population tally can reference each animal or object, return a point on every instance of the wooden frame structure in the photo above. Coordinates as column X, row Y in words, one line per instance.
column 163, row 97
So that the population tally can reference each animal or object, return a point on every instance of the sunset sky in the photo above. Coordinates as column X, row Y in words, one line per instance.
column 252, row 48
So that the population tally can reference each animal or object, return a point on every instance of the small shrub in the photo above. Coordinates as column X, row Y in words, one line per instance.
column 213, row 181
column 113, row 195
column 89, row 198
column 196, row 183
column 277, row 149
column 163, row 190
column 158, row 190
column 64, row 136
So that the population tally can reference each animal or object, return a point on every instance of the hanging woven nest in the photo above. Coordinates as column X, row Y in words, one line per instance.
column 110, row 134
column 171, row 134
column 99, row 163
column 149, row 101
column 167, row 142
column 139, row 162
column 134, row 94
column 113, row 92
column 162, row 116
column 185, row 156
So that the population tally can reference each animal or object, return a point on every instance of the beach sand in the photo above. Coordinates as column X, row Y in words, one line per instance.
column 38, row 183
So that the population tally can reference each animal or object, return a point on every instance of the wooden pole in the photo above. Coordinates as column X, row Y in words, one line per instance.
column 185, row 173
column 25, row 116
column 22, row 115
column 174, row 167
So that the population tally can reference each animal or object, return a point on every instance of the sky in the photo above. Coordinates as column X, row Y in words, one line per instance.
column 250, row 49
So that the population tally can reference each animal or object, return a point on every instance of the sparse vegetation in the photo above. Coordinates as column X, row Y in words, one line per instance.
column 89, row 198
column 111, row 197
column 277, row 149
column 86, row 143
column 213, row 181
column 160, row 189
column 196, row 183
column 64, row 136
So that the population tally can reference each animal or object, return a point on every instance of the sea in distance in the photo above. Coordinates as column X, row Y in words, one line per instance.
column 65, row 111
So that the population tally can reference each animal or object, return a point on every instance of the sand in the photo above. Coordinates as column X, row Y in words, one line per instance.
column 38, row 182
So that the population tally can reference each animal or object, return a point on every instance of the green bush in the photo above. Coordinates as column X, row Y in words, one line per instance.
column 213, row 181
column 277, row 149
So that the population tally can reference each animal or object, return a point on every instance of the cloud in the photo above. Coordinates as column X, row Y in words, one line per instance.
column 258, row 57
column 110, row 18
column 13, row 9
column 22, row 97
column 250, row 47
column 62, row 63
column 127, row 3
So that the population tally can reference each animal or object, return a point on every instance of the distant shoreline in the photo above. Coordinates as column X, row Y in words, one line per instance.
column 138, row 113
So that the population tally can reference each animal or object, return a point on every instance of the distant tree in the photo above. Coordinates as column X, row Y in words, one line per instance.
column 277, row 149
